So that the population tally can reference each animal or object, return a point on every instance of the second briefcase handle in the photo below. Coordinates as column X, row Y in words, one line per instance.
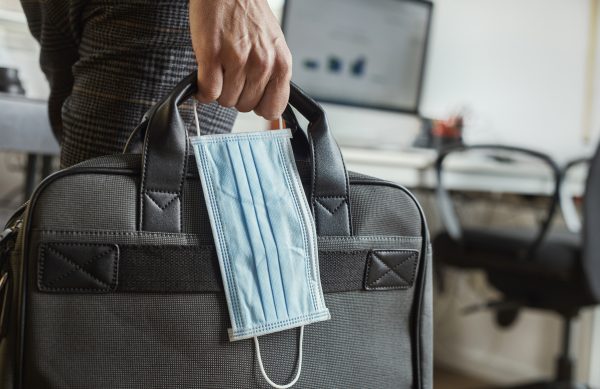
column 165, row 156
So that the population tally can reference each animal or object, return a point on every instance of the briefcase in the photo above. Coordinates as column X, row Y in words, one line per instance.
column 110, row 278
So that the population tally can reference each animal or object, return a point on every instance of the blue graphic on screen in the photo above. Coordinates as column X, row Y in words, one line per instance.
column 356, row 68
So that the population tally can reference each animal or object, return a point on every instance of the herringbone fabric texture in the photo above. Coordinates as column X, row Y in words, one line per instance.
column 107, row 63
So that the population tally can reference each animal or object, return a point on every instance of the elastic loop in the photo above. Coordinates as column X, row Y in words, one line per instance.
column 196, row 120
column 299, row 368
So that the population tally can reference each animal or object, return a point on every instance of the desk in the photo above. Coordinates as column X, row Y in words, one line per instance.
column 25, row 128
column 414, row 168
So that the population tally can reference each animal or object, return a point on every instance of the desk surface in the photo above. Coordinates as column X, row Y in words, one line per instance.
column 414, row 168
column 24, row 126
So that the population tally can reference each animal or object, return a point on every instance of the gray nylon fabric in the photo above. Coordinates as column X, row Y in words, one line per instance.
column 179, row 340
column 195, row 218
column 116, row 161
column 370, row 213
column 88, row 202
column 381, row 213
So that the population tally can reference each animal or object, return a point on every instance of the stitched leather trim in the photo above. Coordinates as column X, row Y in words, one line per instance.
column 331, row 204
column 161, row 199
column 391, row 269
column 78, row 267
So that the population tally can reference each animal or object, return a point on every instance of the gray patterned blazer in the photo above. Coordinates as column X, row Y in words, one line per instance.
column 107, row 62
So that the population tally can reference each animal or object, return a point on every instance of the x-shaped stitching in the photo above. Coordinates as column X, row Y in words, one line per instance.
column 77, row 267
column 391, row 268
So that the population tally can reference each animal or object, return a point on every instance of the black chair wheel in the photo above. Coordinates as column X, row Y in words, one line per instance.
column 506, row 317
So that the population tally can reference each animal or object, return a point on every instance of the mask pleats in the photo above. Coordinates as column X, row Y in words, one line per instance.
column 263, row 231
column 265, row 198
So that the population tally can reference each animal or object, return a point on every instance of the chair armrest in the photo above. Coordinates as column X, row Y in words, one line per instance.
column 448, row 213
column 567, row 205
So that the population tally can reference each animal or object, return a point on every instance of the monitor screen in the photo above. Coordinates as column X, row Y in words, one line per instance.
column 367, row 53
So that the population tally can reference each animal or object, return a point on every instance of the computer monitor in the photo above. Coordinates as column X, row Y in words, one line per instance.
column 366, row 53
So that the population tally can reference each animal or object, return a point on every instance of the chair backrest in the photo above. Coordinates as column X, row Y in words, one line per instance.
column 591, row 227
column 501, row 161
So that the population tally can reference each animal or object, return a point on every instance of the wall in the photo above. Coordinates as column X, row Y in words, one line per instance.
column 517, row 66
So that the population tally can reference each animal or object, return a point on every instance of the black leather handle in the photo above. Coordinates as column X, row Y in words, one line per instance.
column 165, row 155
column 300, row 144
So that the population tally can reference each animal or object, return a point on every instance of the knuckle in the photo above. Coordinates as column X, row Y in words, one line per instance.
column 268, row 113
column 236, row 59
column 209, row 85
column 283, row 63
column 208, row 93
column 207, row 52
column 226, row 102
column 262, row 64
column 263, row 60
column 244, row 107
column 279, row 108
column 247, row 104
column 262, row 113
column 282, row 75
column 209, row 90
column 211, row 93
column 271, row 115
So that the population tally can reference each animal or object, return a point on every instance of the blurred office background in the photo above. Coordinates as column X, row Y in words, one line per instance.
column 513, row 72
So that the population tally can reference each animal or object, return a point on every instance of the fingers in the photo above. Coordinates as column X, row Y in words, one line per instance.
column 259, row 82
column 241, row 63
column 210, row 82
column 277, row 91
column 259, row 70
column 234, row 77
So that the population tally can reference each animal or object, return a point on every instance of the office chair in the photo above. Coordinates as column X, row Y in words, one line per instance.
column 548, row 270
column 567, row 205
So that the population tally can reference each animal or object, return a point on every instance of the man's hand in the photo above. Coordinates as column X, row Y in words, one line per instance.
column 243, row 60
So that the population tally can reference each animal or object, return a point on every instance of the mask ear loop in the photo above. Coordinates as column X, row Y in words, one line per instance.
column 299, row 368
column 196, row 120
column 280, row 123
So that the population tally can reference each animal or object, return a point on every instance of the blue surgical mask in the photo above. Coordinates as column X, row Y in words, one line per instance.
column 264, row 234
